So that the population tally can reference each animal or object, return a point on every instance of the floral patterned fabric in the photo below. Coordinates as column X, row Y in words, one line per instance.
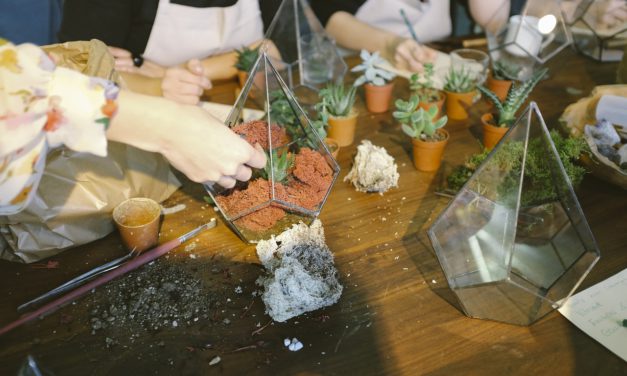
column 43, row 107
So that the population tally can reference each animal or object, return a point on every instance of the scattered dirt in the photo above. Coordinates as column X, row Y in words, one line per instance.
column 158, row 296
column 256, row 131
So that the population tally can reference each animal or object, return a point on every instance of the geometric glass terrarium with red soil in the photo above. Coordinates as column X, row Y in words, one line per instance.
column 299, row 173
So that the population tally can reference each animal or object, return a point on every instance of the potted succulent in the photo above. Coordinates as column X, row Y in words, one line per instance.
column 337, row 102
column 246, row 58
column 428, row 137
column 377, row 86
column 423, row 88
column 501, row 77
column 460, row 88
column 320, row 125
column 496, row 125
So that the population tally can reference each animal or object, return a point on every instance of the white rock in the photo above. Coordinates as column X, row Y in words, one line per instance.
column 373, row 169
column 287, row 342
column 215, row 361
column 301, row 274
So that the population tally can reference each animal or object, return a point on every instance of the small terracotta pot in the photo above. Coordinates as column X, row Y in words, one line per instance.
column 138, row 219
column 439, row 103
column 258, row 83
column 378, row 97
column 428, row 154
column 499, row 87
column 457, row 104
column 333, row 146
column 342, row 129
column 491, row 133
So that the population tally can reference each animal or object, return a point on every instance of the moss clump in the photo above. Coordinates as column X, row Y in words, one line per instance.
column 538, row 180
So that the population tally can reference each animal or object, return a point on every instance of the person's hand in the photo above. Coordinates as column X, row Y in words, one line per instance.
column 410, row 55
column 612, row 13
column 124, row 63
column 206, row 151
column 185, row 85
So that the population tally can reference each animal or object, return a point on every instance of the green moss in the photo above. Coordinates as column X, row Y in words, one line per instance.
column 538, row 182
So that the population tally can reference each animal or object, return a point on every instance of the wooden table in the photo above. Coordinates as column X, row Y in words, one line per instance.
column 394, row 316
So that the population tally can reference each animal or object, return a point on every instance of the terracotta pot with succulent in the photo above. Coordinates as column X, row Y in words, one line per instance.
column 460, row 89
column 423, row 88
column 337, row 102
column 246, row 58
column 428, row 137
column 320, row 125
column 501, row 78
column 377, row 82
column 496, row 125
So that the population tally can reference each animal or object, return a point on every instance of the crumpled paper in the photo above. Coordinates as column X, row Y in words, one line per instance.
column 78, row 191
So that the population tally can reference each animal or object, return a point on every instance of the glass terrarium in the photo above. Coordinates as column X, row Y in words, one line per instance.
column 303, row 45
column 299, row 172
column 597, row 28
column 529, row 38
column 514, row 243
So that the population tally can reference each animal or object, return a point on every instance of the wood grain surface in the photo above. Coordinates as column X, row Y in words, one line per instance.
column 396, row 314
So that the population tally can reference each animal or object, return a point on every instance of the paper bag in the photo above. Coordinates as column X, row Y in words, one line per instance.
column 76, row 196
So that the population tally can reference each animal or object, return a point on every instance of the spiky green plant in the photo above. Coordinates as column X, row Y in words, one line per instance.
column 246, row 58
column 280, row 165
column 459, row 81
column 416, row 122
column 336, row 99
column 515, row 98
column 281, row 111
column 503, row 70
column 423, row 85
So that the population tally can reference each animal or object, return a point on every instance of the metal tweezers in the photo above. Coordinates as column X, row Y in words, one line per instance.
column 75, row 282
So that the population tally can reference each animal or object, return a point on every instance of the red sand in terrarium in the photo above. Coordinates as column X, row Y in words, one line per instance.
column 256, row 131
column 311, row 178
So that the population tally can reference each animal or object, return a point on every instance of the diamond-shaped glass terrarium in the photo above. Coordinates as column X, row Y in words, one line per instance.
column 306, row 48
column 514, row 243
column 300, row 170
column 596, row 29
column 530, row 38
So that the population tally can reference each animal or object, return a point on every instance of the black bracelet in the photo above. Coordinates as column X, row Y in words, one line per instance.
column 138, row 60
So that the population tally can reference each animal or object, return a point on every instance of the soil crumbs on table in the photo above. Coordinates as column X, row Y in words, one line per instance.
column 159, row 296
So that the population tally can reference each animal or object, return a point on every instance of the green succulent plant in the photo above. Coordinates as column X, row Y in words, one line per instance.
column 459, row 81
column 280, row 165
column 503, row 70
column 515, row 98
column 422, row 86
column 281, row 111
column 416, row 122
column 246, row 58
column 336, row 99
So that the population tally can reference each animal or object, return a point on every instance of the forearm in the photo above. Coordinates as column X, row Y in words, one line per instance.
column 490, row 14
column 220, row 67
column 146, row 130
column 351, row 33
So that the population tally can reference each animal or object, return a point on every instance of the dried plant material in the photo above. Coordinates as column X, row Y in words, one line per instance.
column 301, row 274
column 373, row 170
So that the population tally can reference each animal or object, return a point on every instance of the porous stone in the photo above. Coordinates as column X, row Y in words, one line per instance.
column 374, row 170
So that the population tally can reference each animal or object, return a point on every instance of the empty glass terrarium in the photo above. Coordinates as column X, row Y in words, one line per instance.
column 304, row 46
column 529, row 38
column 598, row 31
column 299, row 172
column 514, row 243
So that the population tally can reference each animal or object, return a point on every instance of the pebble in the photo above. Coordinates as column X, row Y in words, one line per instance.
column 215, row 361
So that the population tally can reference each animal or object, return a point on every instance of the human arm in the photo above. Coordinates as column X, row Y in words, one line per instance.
column 352, row 33
column 43, row 107
column 491, row 15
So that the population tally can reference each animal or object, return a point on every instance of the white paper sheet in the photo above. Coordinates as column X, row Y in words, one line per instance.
column 600, row 310
column 221, row 111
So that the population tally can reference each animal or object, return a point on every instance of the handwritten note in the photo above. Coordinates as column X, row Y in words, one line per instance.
column 600, row 310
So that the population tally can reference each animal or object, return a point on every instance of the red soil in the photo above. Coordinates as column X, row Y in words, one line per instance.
column 256, row 131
